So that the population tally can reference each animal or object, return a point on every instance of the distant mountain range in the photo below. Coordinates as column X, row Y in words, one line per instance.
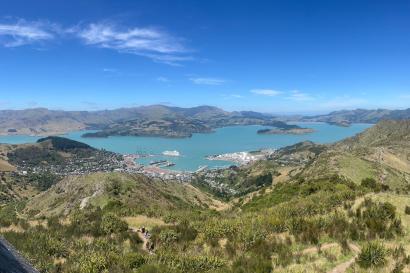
column 346, row 117
column 160, row 120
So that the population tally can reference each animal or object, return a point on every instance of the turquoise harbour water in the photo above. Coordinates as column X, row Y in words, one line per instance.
column 194, row 150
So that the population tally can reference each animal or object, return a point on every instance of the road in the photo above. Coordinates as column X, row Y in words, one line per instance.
column 11, row 261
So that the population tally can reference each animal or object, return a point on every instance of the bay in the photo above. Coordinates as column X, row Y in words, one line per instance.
column 194, row 150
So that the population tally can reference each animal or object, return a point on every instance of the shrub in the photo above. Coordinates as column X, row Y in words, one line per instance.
column 112, row 224
column 252, row 264
column 94, row 262
column 372, row 184
column 190, row 263
column 134, row 260
column 372, row 255
column 8, row 216
column 186, row 232
column 407, row 210
column 377, row 219
column 87, row 221
column 168, row 237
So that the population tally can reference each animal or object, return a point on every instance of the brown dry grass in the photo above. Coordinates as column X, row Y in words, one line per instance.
column 6, row 167
column 143, row 221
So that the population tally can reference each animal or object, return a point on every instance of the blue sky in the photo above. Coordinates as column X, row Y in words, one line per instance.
column 273, row 56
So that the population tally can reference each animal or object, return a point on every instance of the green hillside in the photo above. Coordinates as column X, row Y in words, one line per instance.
column 130, row 194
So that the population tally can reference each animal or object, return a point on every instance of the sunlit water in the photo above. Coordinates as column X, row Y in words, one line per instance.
column 194, row 150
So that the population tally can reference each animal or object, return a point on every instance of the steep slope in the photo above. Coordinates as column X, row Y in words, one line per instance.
column 132, row 192
column 381, row 152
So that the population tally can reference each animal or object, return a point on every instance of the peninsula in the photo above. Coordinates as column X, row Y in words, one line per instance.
column 292, row 131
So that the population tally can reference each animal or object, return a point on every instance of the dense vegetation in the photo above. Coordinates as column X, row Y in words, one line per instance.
column 64, row 144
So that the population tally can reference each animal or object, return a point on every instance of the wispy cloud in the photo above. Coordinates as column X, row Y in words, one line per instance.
column 110, row 70
column 162, row 79
column 266, row 92
column 232, row 96
column 296, row 95
column 208, row 81
column 153, row 43
column 148, row 42
column 22, row 32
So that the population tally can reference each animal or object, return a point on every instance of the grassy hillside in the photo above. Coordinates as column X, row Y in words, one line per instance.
column 133, row 194
column 381, row 152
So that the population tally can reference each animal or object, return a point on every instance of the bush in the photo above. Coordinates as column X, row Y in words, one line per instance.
column 112, row 224
column 94, row 262
column 377, row 219
column 87, row 221
column 407, row 210
column 252, row 264
column 134, row 260
column 167, row 237
column 372, row 255
column 372, row 184
column 8, row 216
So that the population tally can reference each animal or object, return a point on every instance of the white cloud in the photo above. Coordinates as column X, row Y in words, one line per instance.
column 162, row 79
column 232, row 96
column 148, row 42
column 266, row 92
column 110, row 70
column 296, row 95
column 23, row 32
column 152, row 43
column 207, row 81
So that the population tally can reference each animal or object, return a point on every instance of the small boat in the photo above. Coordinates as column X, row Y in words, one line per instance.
column 171, row 153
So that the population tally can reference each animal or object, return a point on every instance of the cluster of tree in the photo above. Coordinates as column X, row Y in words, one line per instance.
column 34, row 156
